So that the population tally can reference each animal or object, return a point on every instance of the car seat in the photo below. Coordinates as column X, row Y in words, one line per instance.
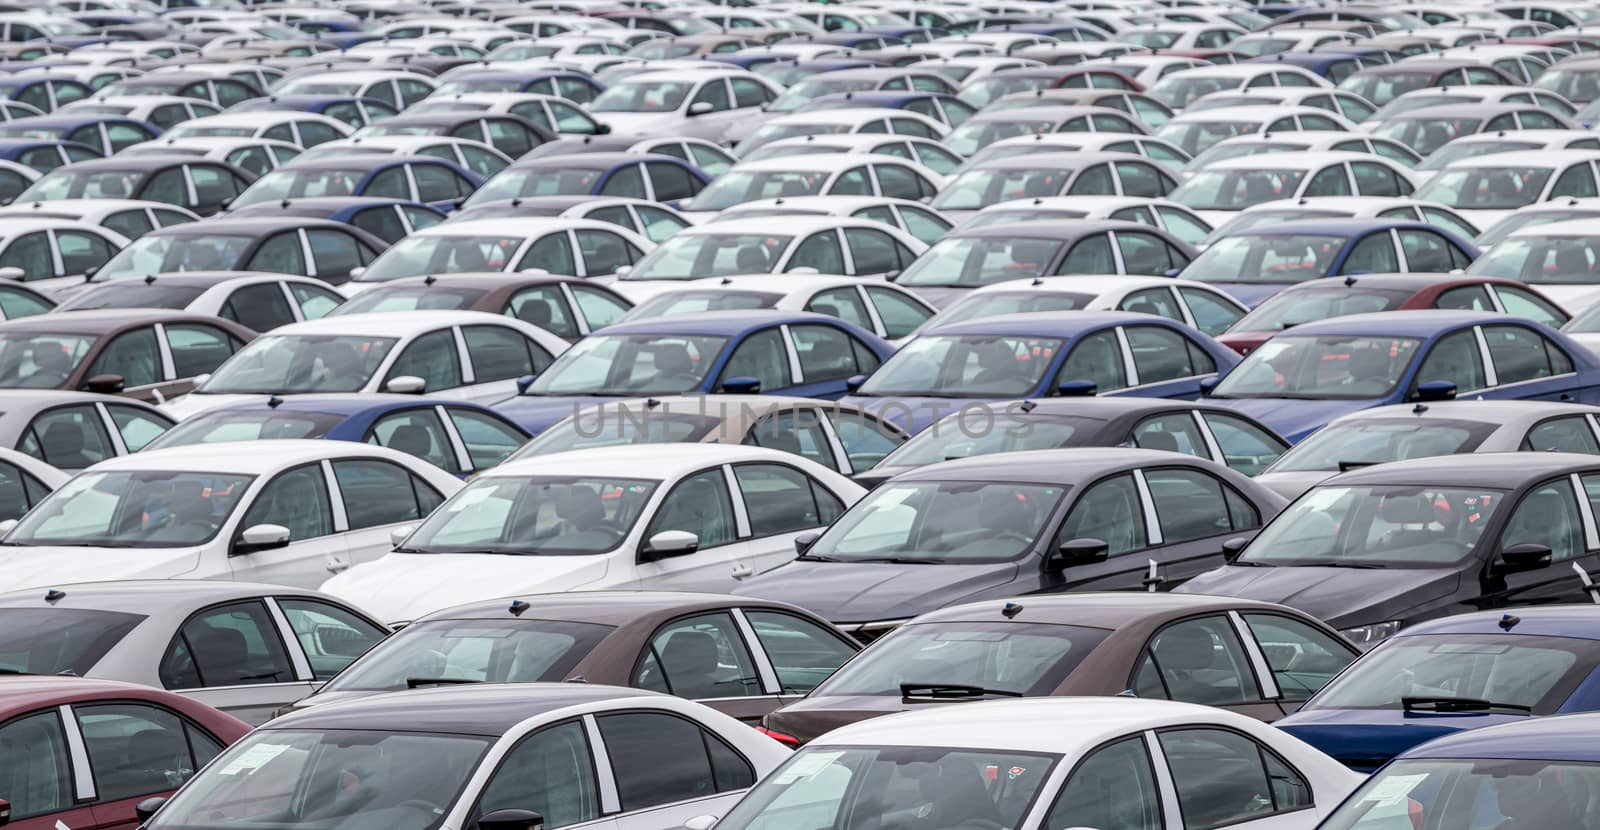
column 689, row 660
column 63, row 444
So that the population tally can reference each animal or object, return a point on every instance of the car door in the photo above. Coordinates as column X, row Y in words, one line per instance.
column 669, row 769
column 774, row 503
column 1210, row 660
column 496, row 357
column 416, row 431
column 551, row 772
column 1241, row 444
column 435, row 358
column 708, row 657
column 234, row 657
column 192, row 350
column 800, row 652
column 68, row 437
column 135, row 356
column 826, row 357
column 1299, row 658
column 1224, row 778
column 137, row 750
column 300, row 500
column 763, row 356
column 1557, row 514
column 1165, row 363
column 701, row 503
column 48, row 785
column 334, row 254
column 1525, row 365
column 1195, row 512
column 374, row 497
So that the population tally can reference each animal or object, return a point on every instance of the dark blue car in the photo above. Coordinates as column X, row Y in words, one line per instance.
column 45, row 91
column 1040, row 355
column 741, row 352
column 1453, row 674
column 1308, row 375
column 388, row 219
column 1256, row 263
column 106, row 133
column 455, row 435
column 45, row 154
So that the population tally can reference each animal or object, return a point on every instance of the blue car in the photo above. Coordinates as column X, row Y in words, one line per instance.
column 105, row 133
column 45, row 154
column 45, row 91
column 1333, row 64
column 432, row 181
column 633, row 175
column 1256, row 263
column 388, row 219
column 1308, row 375
column 357, row 112
column 1039, row 355
column 1454, row 674
column 454, row 435
column 739, row 352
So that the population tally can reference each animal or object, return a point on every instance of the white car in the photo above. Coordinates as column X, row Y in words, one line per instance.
column 883, row 308
column 698, row 517
column 1475, row 94
column 826, row 174
column 550, row 112
column 1160, row 150
column 1558, row 260
column 1168, row 215
column 990, row 126
column 1290, row 39
column 1483, row 144
column 1489, row 188
column 256, row 156
column 928, row 152
column 462, row 355
column 1170, row 35
column 164, row 111
column 1338, row 207
column 1194, row 304
column 302, row 129
column 395, row 87
column 697, row 104
column 569, row 247
column 54, row 254
column 650, row 219
column 1223, row 188
column 1196, row 131
column 132, row 218
column 1179, row 88
column 913, row 217
column 1314, row 141
column 255, row 299
column 1059, row 763
column 472, row 155
column 283, row 512
column 1347, row 104
column 846, row 120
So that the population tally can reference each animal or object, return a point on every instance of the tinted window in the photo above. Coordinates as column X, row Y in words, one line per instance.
column 1110, row 511
column 698, row 658
column 416, row 432
column 431, row 357
column 296, row 499
column 778, row 499
column 1112, row 789
column 379, row 493
column 1224, row 777
column 260, row 307
column 700, row 505
column 801, row 652
column 661, row 759
column 1302, row 657
column 68, row 437
column 551, row 773
column 1569, row 434
column 197, row 349
column 330, row 636
column 136, row 426
column 1196, row 661
column 36, row 765
column 231, row 645
column 500, row 353
column 134, row 749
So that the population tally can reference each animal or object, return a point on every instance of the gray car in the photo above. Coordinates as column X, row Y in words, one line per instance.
column 70, row 430
column 1404, row 431
column 242, row 647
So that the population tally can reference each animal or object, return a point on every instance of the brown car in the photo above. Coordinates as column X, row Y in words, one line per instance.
column 149, row 354
column 568, row 307
column 741, row 656
column 1255, row 658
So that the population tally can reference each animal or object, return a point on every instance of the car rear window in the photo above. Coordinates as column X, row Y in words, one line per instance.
column 59, row 640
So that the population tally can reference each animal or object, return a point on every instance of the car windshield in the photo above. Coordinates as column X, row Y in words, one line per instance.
column 1377, row 526
column 82, row 184
column 802, row 93
column 954, row 438
column 30, row 360
column 538, row 181
column 691, row 302
column 641, row 95
column 1323, row 367
column 145, row 509
column 301, row 184
column 1194, row 136
column 472, row 651
column 1499, row 231
column 337, row 779
column 170, row 254
column 48, row 641
column 1420, row 100
column 978, row 133
column 983, row 92
column 1384, row 86
column 1551, row 260
column 940, row 522
column 1267, row 258
column 1016, row 658
column 284, row 363
column 1485, row 188
column 737, row 187
column 630, row 365
column 859, row 787
column 691, row 256
column 1239, row 149
column 769, row 133
column 534, row 516
column 1291, row 308
column 980, row 188
column 270, row 424
column 982, row 304
column 1580, row 86
column 1236, row 189
column 134, row 295
column 1425, row 133
column 1493, row 793
column 1513, row 670
column 965, row 366
column 1245, row 220
column 1178, row 90
column 608, row 427
column 417, row 256
column 972, row 261
column 1462, row 150
column 410, row 298
column 1365, row 441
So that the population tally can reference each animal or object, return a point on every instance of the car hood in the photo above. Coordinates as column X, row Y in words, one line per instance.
column 46, row 566
column 643, row 124
column 1291, row 485
column 194, row 403
column 810, row 717
column 1251, row 294
column 1342, row 597
column 401, row 587
column 914, row 414
column 871, row 591
column 537, row 413
column 1295, row 419
column 1365, row 739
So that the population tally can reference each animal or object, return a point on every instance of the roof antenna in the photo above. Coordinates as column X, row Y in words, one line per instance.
column 517, row 607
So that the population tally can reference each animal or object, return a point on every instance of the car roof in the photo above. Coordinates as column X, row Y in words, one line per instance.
column 613, row 608
column 718, row 323
column 1334, row 226
column 1059, row 229
column 653, row 461
column 1563, row 738
column 795, row 225
column 1525, row 158
column 1065, row 160
column 1407, row 281
column 334, row 403
column 1108, row 609
column 1060, row 467
column 101, row 321
column 1414, row 323
column 390, row 323
column 1576, row 621
column 484, row 709
column 141, row 596
column 1047, row 323
column 1498, row 470
column 249, row 224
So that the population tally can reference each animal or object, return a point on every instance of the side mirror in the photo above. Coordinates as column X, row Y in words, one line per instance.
column 602, row 129
column 623, row 270
column 740, row 386
column 261, row 537
column 804, row 541
column 1171, row 272
column 524, row 382
column 399, row 534
column 1524, row 557
column 700, row 823
column 356, row 272
column 1435, row 390
column 88, row 273
column 1077, row 389
column 105, row 384
column 700, row 108
column 669, row 543
column 7, row 526
column 854, row 383
column 1233, row 547
column 12, row 274
column 1208, row 385
column 1076, row 552
column 146, row 808
column 406, row 385
column 200, row 380
column 511, row 820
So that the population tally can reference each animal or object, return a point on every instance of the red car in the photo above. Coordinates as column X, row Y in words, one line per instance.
column 1324, row 298
column 80, row 754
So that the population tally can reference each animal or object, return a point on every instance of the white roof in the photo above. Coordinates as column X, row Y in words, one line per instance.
column 519, row 227
column 389, row 324
column 1263, row 112
column 1571, row 227
column 848, row 141
column 822, row 162
column 1298, row 160
column 1555, row 139
column 247, row 457
column 1098, row 285
column 650, row 461
column 848, row 116
column 210, row 143
column 1230, row 70
column 1526, row 158
column 1088, row 204
column 688, row 75
column 785, row 284
column 256, row 120
column 796, row 225
column 83, row 208
column 358, row 76
column 1354, row 205
column 24, row 224
column 831, row 205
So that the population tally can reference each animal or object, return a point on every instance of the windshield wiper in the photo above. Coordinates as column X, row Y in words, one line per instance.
column 817, row 557
column 1250, row 563
column 1347, row 466
column 1360, row 566
column 1457, row 704
column 898, row 560
column 951, row 691
column 417, row 682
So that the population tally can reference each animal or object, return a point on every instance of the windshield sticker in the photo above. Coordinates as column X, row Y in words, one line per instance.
column 253, row 758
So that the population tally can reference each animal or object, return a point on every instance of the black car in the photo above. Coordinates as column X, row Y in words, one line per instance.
column 201, row 185
column 281, row 245
column 1376, row 549
column 510, row 134
column 1018, row 523
column 1197, row 429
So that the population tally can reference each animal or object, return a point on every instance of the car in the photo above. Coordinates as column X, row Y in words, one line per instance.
column 52, row 254
column 471, row 155
column 969, row 258
column 284, row 512
column 995, row 125
column 45, row 154
column 395, row 87
column 1222, row 188
column 980, row 93
column 1338, row 207
column 1539, row 213
column 275, row 245
column 1482, row 144
column 1552, row 257
column 1180, row 88
column 303, row 129
column 71, row 430
column 471, row 753
column 652, row 220
column 692, row 103
column 511, row 134
column 100, row 770
column 390, row 220
column 356, row 112
column 1198, row 429
column 1444, row 677
column 159, row 111
column 151, row 355
column 1152, row 113
column 1049, row 175
column 104, row 134
column 1324, row 299
column 1382, row 84
column 454, row 435
column 551, row 113
column 571, row 84
column 1477, row 94
column 200, row 186
column 1255, row 264
column 256, row 156
column 655, row 640
column 886, row 310
column 568, row 307
column 512, row 244
column 434, row 181
column 1302, row 141
column 258, row 301
column 1488, row 188
column 1191, row 303
column 683, row 517
column 712, row 159
column 1195, row 131
column 1081, row 645
column 636, row 175
column 191, row 637
column 1084, row 762
column 467, row 355
column 824, row 174
column 1170, row 216
column 1574, row 80
column 221, row 91
column 130, row 217
column 1427, row 129
column 912, row 216
column 769, row 351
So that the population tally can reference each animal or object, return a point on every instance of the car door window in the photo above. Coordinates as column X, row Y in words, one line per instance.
column 1173, row 432
column 552, row 253
column 1302, row 658
column 902, row 182
column 657, row 758
column 134, row 356
column 819, row 251
column 136, row 426
column 866, row 439
column 844, row 303
column 1094, row 180
column 545, row 307
column 658, row 224
column 1140, row 179
column 501, row 353
column 797, row 431
column 1331, row 181
column 761, row 356
column 1454, row 358
column 1156, row 301
column 1196, row 661
column 551, row 772
column 779, row 499
column 164, row 186
column 1521, row 354
column 229, row 645
column 627, row 180
column 1578, row 181
column 380, row 493
column 35, row 767
column 1161, row 354
column 331, row 637
column 599, row 308
column 82, row 252
column 1374, row 254
column 1569, row 434
column 801, row 652
column 1144, row 253
column 900, row 316
column 1091, row 255
column 1465, row 298
column 1193, row 505
column 437, row 183
column 1212, row 315
column 1376, row 180
column 315, row 301
column 1114, row 788
column 213, row 185
column 416, row 432
column 1223, row 777
column 1548, row 516
column 852, row 182
column 16, row 303
column 699, row 657
column 1096, row 358
column 604, row 252
column 699, row 504
column 197, row 349
column 261, row 307
column 826, row 353
column 389, row 184
column 433, row 358
column 280, row 254
column 130, row 223
column 1245, row 447
column 488, row 439
column 671, row 182
column 1425, row 251
column 1518, row 302
column 1110, row 511
column 31, row 253
column 136, row 749
column 68, row 437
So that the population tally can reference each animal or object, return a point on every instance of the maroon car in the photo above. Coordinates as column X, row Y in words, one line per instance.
column 1321, row 299
column 80, row 754
column 152, row 355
